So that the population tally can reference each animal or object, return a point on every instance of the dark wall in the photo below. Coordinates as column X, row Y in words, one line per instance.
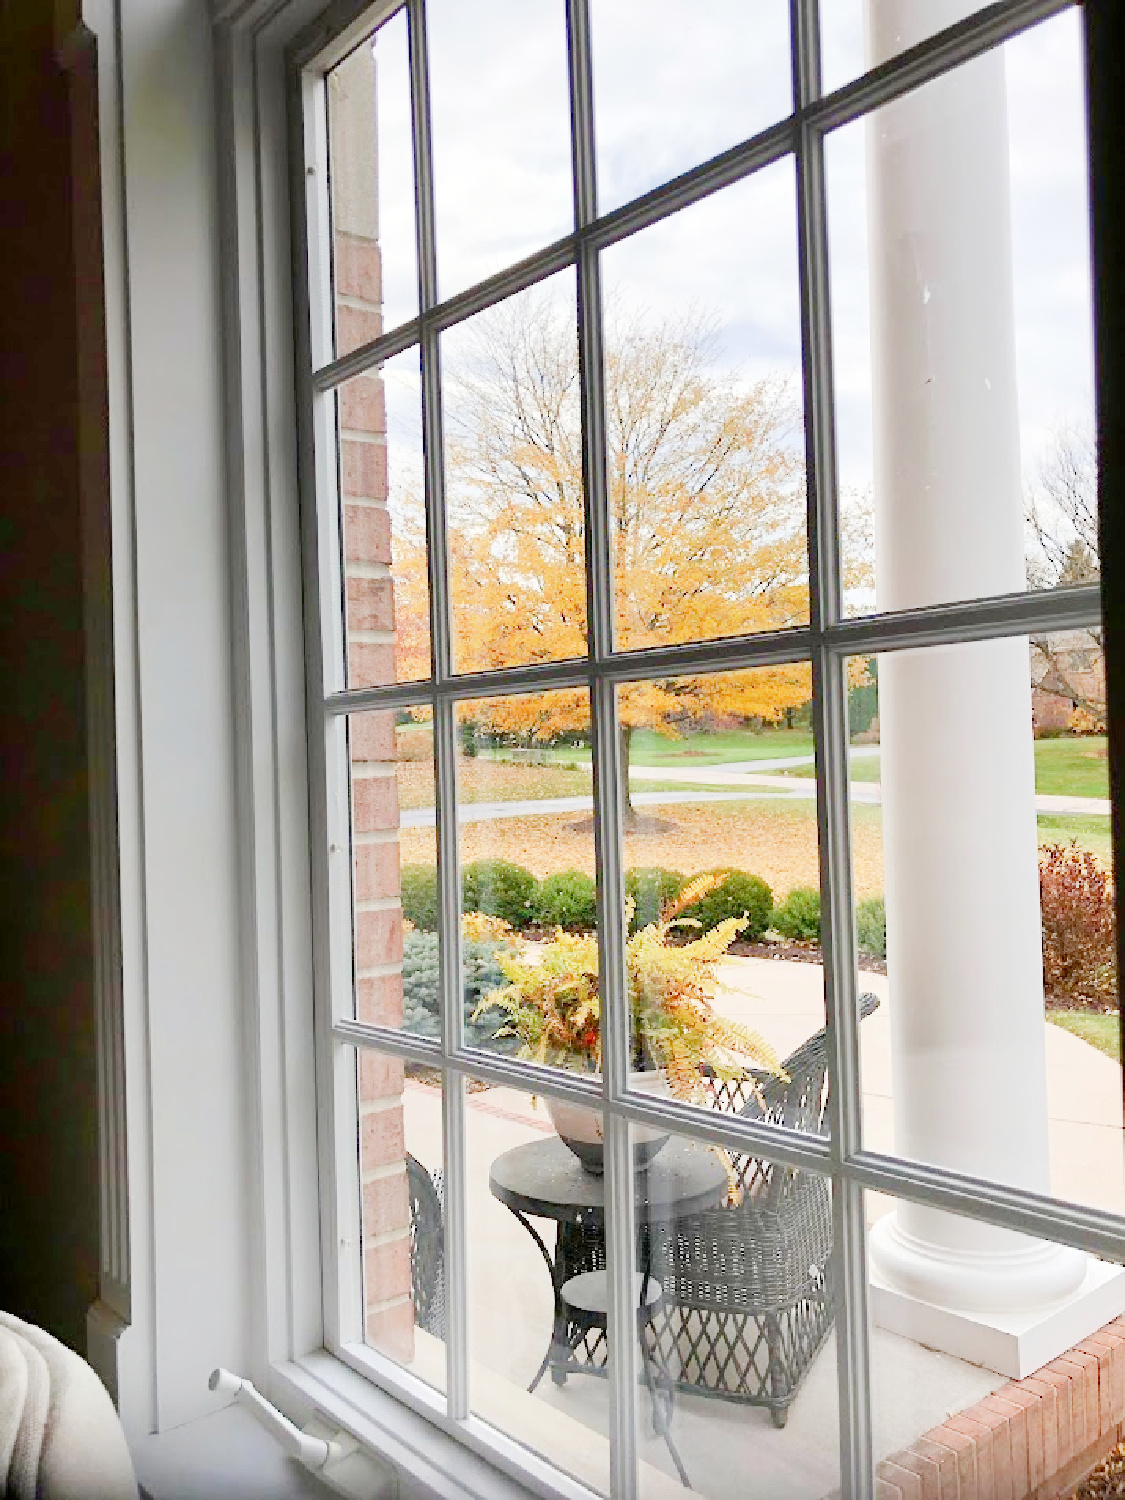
column 1105, row 23
column 48, row 1134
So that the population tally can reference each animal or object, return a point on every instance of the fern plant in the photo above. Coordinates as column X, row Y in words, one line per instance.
column 552, row 1003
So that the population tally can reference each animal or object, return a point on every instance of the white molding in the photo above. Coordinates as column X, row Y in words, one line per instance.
column 78, row 57
column 213, row 842
column 268, row 687
column 120, row 1331
column 1011, row 1343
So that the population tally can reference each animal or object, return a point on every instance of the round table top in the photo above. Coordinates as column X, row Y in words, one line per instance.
column 545, row 1179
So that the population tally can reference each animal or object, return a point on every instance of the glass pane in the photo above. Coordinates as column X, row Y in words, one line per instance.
column 394, row 865
column 668, row 95
column 723, row 873
column 514, row 481
column 402, row 1213
column 371, row 173
column 859, row 34
column 383, row 521
column 501, row 134
column 995, row 1050
column 537, row 1363
column 704, row 436
column 525, row 808
column 737, row 1312
column 995, row 1358
column 962, row 331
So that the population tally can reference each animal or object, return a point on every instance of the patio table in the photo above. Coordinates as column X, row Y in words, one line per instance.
column 544, row 1180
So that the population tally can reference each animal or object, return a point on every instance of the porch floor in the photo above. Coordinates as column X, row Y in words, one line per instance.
column 728, row 1449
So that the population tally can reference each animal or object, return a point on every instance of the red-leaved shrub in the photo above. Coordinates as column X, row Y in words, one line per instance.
column 1079, row 930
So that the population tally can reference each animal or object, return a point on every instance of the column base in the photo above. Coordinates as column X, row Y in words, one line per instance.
column 1011, row 1343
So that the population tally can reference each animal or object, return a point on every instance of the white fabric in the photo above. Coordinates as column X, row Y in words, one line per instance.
column 60, row 1438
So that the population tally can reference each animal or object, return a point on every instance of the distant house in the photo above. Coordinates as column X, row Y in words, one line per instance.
column 1067, row 682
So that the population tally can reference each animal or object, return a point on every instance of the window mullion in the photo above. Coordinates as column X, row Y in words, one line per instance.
column 607, row 769
column 445, row 734
column 830, row 734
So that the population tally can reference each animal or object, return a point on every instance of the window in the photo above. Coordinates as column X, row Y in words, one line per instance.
column 683, row 526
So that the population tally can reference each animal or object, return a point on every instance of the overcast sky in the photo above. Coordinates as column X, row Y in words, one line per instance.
column 672, row 89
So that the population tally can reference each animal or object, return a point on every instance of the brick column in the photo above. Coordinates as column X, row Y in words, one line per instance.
column 369, row 601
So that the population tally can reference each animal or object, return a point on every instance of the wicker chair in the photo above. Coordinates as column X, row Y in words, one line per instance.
column 748, row 1289
column 427, row 1247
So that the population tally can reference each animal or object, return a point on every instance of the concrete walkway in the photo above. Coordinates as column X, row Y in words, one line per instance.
column 727, row 1449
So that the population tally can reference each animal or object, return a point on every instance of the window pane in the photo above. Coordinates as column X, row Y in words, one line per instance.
column 962, row 332
column 501, row 134
column 534, row 1363
column 704, row 437
column 383, row 521
column 994, row 1356
column 528, row 884
column 858, row 34
column 394, row 864
column 514, row 488
column 402, row 1213
column 722, row 869
column 371, row 173
column 668, row 95
column 995, row 1050
column 738, row 1312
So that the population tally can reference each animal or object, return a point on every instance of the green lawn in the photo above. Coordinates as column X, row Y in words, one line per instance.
column 1072, row 767
column 1069, row 767
column 702, row 749
column 1090, row 832
column 1101, row 1031
column 697, row 747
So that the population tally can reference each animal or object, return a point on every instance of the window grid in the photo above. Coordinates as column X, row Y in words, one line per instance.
column 827, row 642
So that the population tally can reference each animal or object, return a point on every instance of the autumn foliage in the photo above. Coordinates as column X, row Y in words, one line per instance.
column 705, row 491
column 1079, row 931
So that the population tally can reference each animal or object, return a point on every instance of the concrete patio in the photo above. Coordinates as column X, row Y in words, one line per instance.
column 727, row 1449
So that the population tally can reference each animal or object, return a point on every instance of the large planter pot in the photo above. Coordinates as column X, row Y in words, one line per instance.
column 580, row 1128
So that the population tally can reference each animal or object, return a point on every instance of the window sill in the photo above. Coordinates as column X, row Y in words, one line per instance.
column 431, row 1463
column 223, row 1456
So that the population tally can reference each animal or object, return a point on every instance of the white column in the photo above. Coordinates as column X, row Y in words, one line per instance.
column 959, row 831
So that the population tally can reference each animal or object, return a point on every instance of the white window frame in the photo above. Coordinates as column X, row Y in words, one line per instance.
column 269, row 54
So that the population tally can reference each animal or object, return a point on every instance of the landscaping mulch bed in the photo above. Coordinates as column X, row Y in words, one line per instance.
column 1107, row 1482
column 805, row 953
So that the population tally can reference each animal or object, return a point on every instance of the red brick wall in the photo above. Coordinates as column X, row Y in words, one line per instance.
column 369, row 605
column 1033, row 1439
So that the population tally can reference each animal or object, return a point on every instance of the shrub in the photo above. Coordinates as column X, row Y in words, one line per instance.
column 420, row 896
column 737, row 894
column 798, row 916
column 651, row 889
column 567, row 899
column 421, row 1011
column 499, row 888
column 1079, row 930
column 871, row 926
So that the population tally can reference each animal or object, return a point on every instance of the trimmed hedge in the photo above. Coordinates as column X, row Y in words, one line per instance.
column 737, row 895
column 567, row 899
column 420, row 896
column 798, row 916
column 871, row 926
column 651, row 889
column 499, row 889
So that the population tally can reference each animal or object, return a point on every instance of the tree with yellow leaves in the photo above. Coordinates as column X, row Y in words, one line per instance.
column 705, row 490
